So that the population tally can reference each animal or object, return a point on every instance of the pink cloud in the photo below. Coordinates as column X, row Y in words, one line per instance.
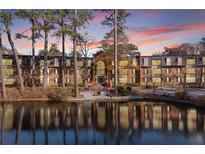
column 143, row 42
column 97, row 44
column 98, row 18
column 164, row 29
column 94, row 44
column 173, row 46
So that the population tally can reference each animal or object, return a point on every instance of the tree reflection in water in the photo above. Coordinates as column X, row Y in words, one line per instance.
column 3, row 122
column 19, row 124
column 101, row 123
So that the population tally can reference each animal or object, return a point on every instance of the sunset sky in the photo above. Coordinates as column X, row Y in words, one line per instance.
column 150, row 30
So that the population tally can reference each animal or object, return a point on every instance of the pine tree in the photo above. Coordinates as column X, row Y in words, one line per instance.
column 6, row 19
column 32, row 16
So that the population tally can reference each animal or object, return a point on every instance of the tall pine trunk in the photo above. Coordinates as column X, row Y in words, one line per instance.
column 33, row 56
column 86, row 69
column 45, row 73
column 63, row 59
column 86, row 64
column 1, row 70
column 75, row 59
column 116, row 54
column 16, row 58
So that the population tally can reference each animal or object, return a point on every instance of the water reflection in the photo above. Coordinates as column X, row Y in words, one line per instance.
column 101, row 123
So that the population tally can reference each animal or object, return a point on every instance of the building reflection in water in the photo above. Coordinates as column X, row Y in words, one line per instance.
column 96, row 123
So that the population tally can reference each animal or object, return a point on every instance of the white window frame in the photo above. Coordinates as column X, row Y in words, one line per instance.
column 178, row 79
column 167, row 70
column 168, row 61
column 167, row 79
column 178, row 70
column 146, row 61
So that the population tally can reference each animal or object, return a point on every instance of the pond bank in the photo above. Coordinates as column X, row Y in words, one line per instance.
column 114, row 98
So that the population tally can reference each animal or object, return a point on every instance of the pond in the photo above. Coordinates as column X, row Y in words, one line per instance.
column 101, row 123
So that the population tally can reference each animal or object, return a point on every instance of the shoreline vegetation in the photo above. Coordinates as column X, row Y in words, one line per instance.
column 56, row 95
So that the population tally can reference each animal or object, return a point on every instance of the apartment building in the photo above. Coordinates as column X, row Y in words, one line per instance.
column 128, row 69
column 173, row 71
column 54, row 70
column 161, row 70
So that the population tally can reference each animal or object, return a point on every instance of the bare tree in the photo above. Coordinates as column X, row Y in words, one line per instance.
column 84, row 43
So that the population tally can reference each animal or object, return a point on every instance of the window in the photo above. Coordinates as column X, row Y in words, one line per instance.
column 123, row 78
column 68, row 80
column 100, row 68
column 178, row 70
column 123, row 63
column 167, row 70
column 190, row 61
column 203, row 60
column 133, row 71
column 190, row 70
column 133, row 80
column 8, row 71
column 7, row 62
column 122, row 71
column 101, row 72
column 113, row 71
column 203, row 79
column 168, row 79
column 145, row 80
column 156, row 62
column 190, row 79
column 56, row 62
column 68, row 62
column 179, row 61
column 156, row 71
column 178, row 79
column 145, row 71
column 146, row 62
column 168, row 61
column 8, row 81
column 56, row 71
column 56, row 80
column 156, row 79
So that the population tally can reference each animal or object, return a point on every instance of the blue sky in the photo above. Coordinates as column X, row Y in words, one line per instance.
column 150, row 30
